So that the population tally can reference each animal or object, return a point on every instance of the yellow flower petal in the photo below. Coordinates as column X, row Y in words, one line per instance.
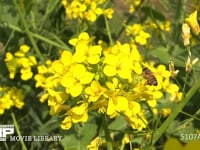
column 193, row 23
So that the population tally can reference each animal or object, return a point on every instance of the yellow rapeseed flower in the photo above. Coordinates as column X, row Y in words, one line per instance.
column 11, row 64
column 193, row 23
column 66, row 58
column 173, row 89
column 165, row 26
column 126, row 139
column 118, row 104
column 83, row 53
column 26, row 73
column 93, row 12
column 75, row 78
column 105, row 79
column 85, row 10
column 21, row 61
column 142, row 37
column 80, row 113
column 22, row 51
column 166, row 111
column 133, row 5
column 9, row 97
column 83, row 38
column 94, row 144
column 119, row 63
column 66, row 124
column 95, row 91
column 108, row 13
column 137, row 32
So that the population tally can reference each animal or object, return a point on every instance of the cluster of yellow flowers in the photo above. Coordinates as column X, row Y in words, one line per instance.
column 86, row 9
column 191, row 23
column 20, row 61
column 133, row 5
column 159, row 25
column 104, row 78
column 138, row 32
column 10, row 96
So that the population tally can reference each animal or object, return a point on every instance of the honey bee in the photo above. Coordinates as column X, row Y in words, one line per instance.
column 149, row 76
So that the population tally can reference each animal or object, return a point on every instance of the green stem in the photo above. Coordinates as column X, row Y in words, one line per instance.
column 18, row 131
column 180, row 86
column 108, row 31
column 6, row 145
column 185, row 81
column 186, row 76
column 122, row 147
column 191, row 116
column 158, row 133
column 107, row 133
column 27, row 31
column 40, row 37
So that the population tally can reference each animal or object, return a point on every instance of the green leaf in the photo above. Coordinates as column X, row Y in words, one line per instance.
column 161, row 53
column 176, row 128
column 153, row 13
column 118, row 124
column 80, row 138
column 8, row 12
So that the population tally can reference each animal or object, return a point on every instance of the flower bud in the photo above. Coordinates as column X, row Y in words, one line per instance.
column 172, row 70
column 186, row 34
